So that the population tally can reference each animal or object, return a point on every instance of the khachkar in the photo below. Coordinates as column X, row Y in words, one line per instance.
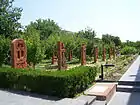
column 104, row 54
column 110, row 53
column 95, row 54
column 61, row 56
column 54, row 59
column 83, row 54
column 18, row 53
column 70, row 55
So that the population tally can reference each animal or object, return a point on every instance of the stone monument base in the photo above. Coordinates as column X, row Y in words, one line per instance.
column 102, row 91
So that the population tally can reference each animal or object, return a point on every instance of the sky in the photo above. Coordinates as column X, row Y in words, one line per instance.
column 116, row 17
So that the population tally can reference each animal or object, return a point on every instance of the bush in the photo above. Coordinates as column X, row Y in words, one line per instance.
column 128, row 50
column 35, row 47
column 4, row 48
column 58, row 83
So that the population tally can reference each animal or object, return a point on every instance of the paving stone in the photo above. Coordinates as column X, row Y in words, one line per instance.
column 125, row 98
column 124, row 88
column 7, row 98
column 89, row 99
column 99, row 103
column 68, row 101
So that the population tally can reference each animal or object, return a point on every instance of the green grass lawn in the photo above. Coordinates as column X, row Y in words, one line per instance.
column 46, row 64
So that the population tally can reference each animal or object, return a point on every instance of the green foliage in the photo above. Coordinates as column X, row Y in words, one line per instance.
column 137, row 45
column 35, row 47
column 9, row 17
column 88, row 33
column 46, row 27
column 71, row 42
column 128, row 50
column 4, row 48
column 116, row 40
column 110, row 40
column 129, row 43
column 58, row 83
column 77, row 42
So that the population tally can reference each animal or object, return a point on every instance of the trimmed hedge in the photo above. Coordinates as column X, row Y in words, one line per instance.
column 56, row 83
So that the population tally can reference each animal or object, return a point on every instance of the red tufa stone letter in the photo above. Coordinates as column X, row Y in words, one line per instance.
column 95, row 54
column 61, row 56
column 18, row 53
column 83, row 54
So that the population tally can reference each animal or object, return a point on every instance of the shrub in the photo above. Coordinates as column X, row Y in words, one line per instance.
column 4, row 48
column 35, row 47
column 59, row 83
column 128, row 50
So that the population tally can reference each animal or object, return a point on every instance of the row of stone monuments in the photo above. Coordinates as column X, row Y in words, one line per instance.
column 19, row 54
column 61, row 56
column 83, row 54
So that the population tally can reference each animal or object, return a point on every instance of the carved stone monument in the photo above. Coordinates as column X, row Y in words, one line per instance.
column 83, row 54
column 95, row 54
column 61, row 56
column 18, row 53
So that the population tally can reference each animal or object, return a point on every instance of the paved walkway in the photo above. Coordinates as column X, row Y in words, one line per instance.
column 133, row 73
column 25, row 98
column 122, row 98
column 14, row 98
column 129, row 98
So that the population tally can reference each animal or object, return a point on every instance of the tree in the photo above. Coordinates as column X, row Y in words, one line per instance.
column 78, row 43
column 106, row 38
column 35, row 47
column 9, row 17
column 46, row 27
column 109, row 39
column 137, row 44
column 51, row 44
column 4, row 49
column 88, row 33
column 116, row 40
column 70, row 40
